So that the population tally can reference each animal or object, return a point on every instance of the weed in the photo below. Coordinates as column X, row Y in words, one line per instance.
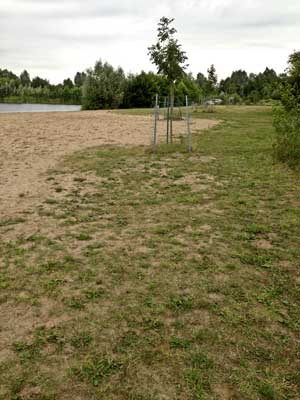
column 11, row 221
column 179, row 343
column 81, row 340
column 84, row 236
column 76, row 303
column 94, row 294
column 51, row 201
column 95, row 370
column 180, row 303
column 28, row 352
column 257, row 229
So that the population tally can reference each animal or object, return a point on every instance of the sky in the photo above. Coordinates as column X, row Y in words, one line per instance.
column 56, row 38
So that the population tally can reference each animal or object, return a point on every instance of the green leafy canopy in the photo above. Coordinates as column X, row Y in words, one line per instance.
column 167, row 54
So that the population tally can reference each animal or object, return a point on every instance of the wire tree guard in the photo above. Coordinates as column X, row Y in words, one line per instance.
column 170, row 113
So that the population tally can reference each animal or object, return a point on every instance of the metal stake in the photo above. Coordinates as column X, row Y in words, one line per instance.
column 189, row 138
column 155, row 123
column 168, row 119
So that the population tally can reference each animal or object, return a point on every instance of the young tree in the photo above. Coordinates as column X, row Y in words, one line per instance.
column 212, row 78
column 168, row 56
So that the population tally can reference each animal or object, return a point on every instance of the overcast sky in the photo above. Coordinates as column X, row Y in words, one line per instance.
column 56, row 38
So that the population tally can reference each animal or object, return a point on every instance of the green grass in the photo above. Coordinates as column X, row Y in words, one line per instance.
column 163, row 277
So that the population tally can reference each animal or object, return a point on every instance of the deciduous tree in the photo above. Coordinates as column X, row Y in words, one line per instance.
column 103, row 87
column 25, row 78
column 212, row 78
column 168, row 56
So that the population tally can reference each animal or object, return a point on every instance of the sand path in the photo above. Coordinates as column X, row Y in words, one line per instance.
column 31, row 143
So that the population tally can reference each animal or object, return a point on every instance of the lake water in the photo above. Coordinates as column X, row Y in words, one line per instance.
column 21, row 108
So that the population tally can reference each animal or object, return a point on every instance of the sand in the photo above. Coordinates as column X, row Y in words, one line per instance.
column 31, row 143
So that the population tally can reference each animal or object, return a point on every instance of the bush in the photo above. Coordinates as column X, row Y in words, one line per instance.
column 287, row 125
column 287, row 115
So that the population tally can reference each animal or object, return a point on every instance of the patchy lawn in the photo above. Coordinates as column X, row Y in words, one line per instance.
column 157, row 276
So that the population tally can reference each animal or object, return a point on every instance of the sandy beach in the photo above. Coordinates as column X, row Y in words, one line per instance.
column 31, row 143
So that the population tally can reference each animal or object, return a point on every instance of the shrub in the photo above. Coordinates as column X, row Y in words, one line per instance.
column 287, row 125
column 287, row 115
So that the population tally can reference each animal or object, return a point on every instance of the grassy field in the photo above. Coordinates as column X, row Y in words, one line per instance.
column 158, row 276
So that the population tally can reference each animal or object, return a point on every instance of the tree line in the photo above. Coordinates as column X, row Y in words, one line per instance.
column 139, row 90
column 23, row 89
column 107, row 87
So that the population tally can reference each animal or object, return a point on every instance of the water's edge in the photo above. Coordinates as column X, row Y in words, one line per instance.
column 22, row 108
